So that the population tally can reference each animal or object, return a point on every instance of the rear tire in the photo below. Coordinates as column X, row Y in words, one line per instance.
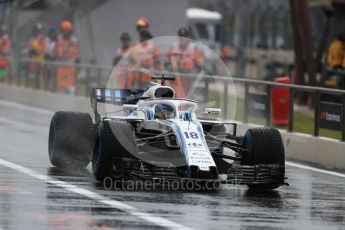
column 265, row 146
column 116, row 140
column 71, row 140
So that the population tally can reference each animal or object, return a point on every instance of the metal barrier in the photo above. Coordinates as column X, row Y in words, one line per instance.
column 43, row 75
column 90, row 76
column 317, row 91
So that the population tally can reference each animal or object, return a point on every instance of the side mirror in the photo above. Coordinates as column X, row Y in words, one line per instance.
column 133, row 112
column 213, row 111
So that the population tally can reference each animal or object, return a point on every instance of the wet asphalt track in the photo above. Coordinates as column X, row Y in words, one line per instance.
column 313, row 200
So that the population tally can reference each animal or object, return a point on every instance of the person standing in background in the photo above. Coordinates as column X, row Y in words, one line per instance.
column 184, row 57
column 5, row 48
column 336, row 52
column 50, row 56
column 336, row 60
column 123, row 50
column 145, row 58
column 120, row 60
column 37, row 44
column 36, row 53
column 51, row 42
column 67, row 50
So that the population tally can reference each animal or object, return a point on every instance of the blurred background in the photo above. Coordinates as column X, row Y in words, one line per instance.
column 258, row 33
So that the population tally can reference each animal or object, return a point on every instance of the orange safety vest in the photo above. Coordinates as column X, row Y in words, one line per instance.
column 183, row 60
column 5, row 46
column 145, row 55
column 120, row 52
column 67, row 49
column 119, row 71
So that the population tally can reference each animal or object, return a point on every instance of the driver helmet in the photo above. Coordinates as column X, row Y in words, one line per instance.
column 164, row 111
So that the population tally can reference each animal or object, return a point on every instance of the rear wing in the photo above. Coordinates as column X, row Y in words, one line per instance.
column 114, row 97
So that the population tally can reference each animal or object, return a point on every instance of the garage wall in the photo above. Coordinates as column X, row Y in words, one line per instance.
column 116, row 16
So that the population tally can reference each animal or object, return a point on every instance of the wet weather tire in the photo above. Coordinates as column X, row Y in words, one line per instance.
column 71, row 140
column 265, row 146
column 115, row 141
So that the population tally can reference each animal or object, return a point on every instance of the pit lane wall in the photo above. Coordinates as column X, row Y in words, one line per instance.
column 44, row 100
column 324, row 152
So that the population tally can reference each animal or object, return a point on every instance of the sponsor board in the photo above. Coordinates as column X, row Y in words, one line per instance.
column 330, row 115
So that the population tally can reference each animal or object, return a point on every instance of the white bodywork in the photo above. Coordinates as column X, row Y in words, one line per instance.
column 195, row 148
column 189, row 133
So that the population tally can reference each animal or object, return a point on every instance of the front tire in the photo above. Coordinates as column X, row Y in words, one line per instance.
column 71, row 140
column 115, row 140
column 265, row 146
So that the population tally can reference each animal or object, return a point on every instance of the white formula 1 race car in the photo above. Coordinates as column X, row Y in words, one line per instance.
column 159, row 136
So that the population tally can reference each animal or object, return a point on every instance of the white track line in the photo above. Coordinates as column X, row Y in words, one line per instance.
column 289, row 163
column 159, row 221
column 25, row 107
